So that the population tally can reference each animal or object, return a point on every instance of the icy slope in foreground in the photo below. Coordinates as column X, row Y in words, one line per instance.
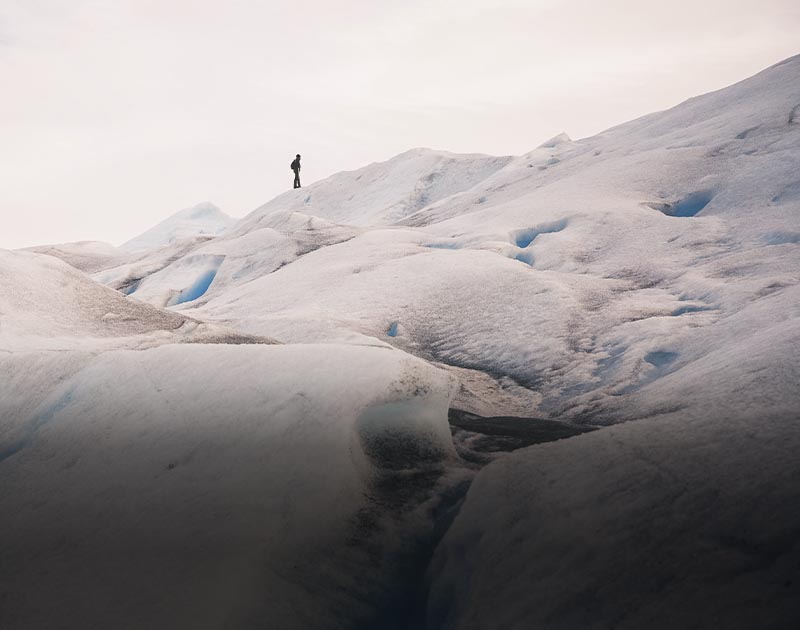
column 660, row 524
column 153, row 479
column 688, row 519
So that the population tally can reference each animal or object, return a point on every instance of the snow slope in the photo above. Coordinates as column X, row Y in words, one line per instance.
column 646, row 278
column 188, row 269
column 688, row 519
column 578, row 276
column 206, row 486
column 384, row 192
column 662, row 523
column 202, row 219
column 54, row 320
column 48, row 305
column 151, row 482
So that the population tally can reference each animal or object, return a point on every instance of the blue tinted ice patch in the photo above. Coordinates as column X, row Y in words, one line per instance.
column 442, row 245
column 689, row 206
column 660, row 358
column 746, row 132
column 525, row 256
column 609, row 363
column 662, row 363
column 392, row 332
column 782, row 238
column 692, row 204
column 199, row 287
column 523, row 238
column 40, row 420
column 790, row 194
column 131, row 288
column 682, row 310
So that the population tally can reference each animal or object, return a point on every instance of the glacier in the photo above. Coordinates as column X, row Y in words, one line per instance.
column 242, row 423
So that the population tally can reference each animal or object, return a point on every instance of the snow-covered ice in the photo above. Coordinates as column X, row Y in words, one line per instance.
column 158, row 472
column 661, row 523
column 645, row 280
column 562, row 270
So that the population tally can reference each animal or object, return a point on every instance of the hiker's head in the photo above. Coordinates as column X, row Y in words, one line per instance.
column 298, row 156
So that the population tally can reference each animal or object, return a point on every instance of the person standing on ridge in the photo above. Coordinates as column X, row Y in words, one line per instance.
column 296, row 168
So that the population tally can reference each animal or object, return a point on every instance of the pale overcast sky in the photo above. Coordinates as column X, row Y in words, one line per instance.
column 117, row 113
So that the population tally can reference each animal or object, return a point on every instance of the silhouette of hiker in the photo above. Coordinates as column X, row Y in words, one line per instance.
column 296, row 168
